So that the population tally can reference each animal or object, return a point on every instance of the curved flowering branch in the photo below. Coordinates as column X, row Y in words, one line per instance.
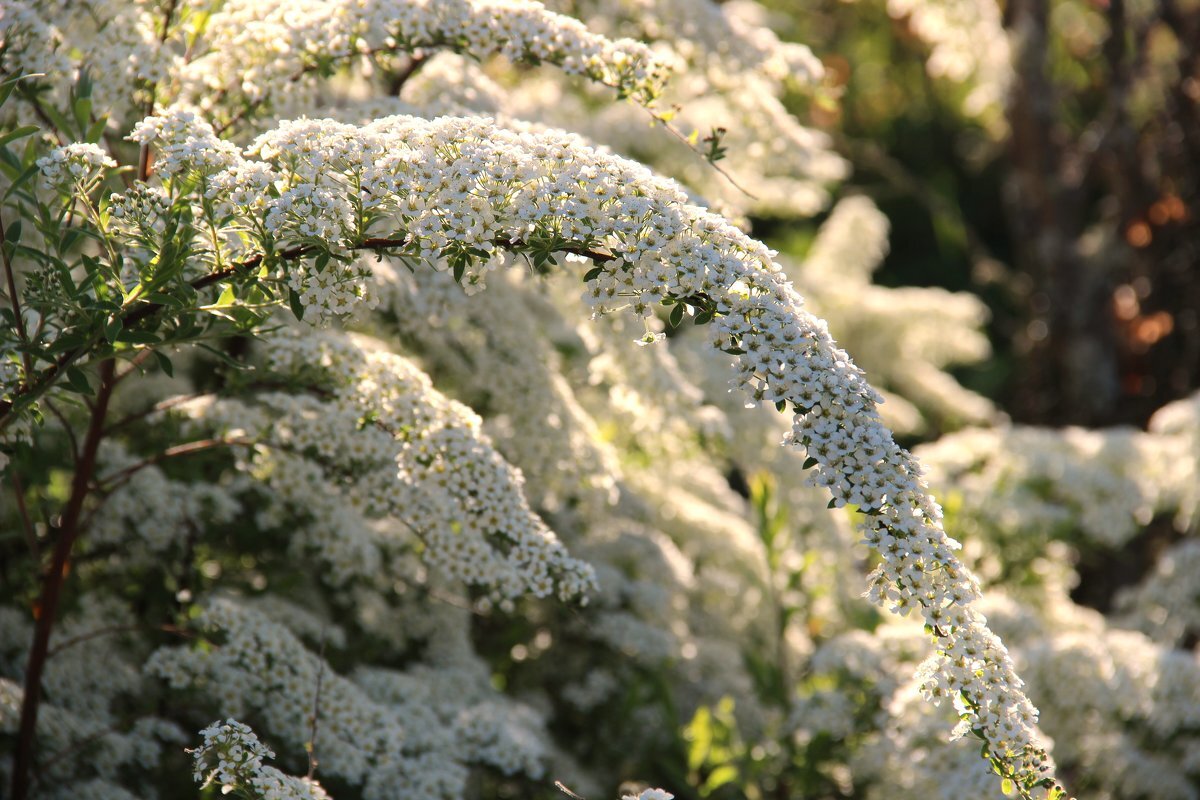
column 460, row 190
column 261, row 48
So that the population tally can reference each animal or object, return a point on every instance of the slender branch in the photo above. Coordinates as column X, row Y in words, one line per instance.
column 15, row 301
column 111, row 629
column 68, row 532
column 170, row 402
column 118, row 479
column 62, row 420
column 311, row 746
column 26, row 523
column 678, row 134
column 134, row 363
column 400, row 77
column 40, row 113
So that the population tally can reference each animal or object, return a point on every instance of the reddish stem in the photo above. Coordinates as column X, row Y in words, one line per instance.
column 68, row 532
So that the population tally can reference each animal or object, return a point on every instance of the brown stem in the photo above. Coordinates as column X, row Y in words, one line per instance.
column 170, row 402
column 26, row 524
column 15, row 302
column 400, row 77
column 111, row 629
column 113, row 481
column 47, row 608
column 311, row 747
column 62, row 420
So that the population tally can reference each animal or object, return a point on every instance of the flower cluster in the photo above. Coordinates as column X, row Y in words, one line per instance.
column 396, row 734
column 232, row 757
column 463, row 189
column 74, row 164
column 377, row 442
column 903, row 337
column 738, row 73
column 265, row 48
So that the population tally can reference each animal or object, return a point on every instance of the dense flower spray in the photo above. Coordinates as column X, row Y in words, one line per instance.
column 459, row 191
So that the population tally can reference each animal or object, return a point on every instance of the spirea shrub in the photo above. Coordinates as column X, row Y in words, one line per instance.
column 335, row 467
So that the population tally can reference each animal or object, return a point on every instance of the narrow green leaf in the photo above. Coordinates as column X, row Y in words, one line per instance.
column 295, row 304
column 810, row 462
column 113, row 328
column 6, row 89
column 13, row 233
column 676, row 315
column 78, row 382
column 18, row 133
column 96, row 130
column 164, row 364
column 138, row 337
column 592, row 274
column 720, row 776
column 82, row 107
column 227, row 297
column 21, row 179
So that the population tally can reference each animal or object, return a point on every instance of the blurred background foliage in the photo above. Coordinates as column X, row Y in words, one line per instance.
column 1071, row 208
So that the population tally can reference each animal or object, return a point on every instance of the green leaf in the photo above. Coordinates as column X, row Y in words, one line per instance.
column 13, row 233
column 809, row 462
column 78, row 382
column 138, row 337
column 676, row 315
column 704, row 317
column 21, row 179
column 96, row 130
column 227, row 297
column 113, row 328
column 83, row 113
column 1007, row 786
column 720, row 776
column 7, row 87
column 832, row 503
column 295, row 304
column 18, row 133
column 164, row 364
column 592, row 274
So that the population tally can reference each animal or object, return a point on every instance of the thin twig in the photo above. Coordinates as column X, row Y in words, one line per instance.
column 311, row 746
column 678, row 134
column 114, row 481
column 15, row 301
column 170, row 402
column 400, row 77
column 111, row 629
column 62, row 420
column 26, row 523
column 134, row 363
